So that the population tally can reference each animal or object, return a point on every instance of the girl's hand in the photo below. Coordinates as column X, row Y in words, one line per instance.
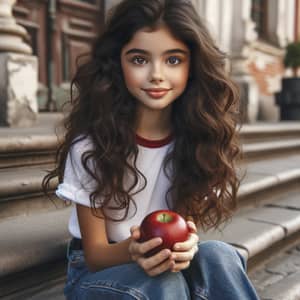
column 155, row 264
column 184, row 252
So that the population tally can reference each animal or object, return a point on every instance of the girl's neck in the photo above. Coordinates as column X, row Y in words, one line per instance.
column 153, row 124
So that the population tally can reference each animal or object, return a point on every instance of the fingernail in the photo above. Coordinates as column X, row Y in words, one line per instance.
column 159, row 240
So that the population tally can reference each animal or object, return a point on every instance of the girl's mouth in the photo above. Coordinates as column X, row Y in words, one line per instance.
column 156, row 93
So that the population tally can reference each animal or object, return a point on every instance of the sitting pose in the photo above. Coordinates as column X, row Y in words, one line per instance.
column 153, row 125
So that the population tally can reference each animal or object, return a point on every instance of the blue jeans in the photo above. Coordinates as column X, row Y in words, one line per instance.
column 217, row 272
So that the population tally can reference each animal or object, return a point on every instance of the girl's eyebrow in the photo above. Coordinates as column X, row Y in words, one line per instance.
column 170, row 51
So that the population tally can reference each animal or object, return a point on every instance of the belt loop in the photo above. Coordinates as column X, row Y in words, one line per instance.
column 69, row 249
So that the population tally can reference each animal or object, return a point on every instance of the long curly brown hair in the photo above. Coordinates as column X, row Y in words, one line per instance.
column 204, row 182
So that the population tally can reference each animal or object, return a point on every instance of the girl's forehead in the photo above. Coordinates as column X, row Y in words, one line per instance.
column 160, row 38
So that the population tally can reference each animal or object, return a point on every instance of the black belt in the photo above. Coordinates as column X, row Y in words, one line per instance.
column 76, row 244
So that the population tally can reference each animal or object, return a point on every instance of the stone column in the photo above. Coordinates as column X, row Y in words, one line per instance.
column 281, row 22
column 243, row 35
column 18, row 72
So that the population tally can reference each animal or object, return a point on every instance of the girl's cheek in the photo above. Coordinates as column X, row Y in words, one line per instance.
column 134, row 76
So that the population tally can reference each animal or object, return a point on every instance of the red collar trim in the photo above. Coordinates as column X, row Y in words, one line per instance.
column 153, row 143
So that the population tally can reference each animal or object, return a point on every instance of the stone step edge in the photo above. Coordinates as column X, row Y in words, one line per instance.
column 286, row 289
column 278, row 232
column 23, row 188
column 33, row 185
column 31, row 143
column 265, row 128
column 41, row 239
column 37, row 142
column 56, row 250
column 266, row 147
column 49, row 147
column 268, row 182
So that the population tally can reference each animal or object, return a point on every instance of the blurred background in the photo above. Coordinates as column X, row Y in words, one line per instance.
column 39, row 43
column 254, row 34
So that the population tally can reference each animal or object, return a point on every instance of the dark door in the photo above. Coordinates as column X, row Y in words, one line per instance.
column 59, row 30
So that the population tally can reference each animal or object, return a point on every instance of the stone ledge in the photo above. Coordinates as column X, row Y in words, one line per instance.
column 28, row 180
column 21, row 181
column 258, row 228
column 263, row 128
column 30, row 241
column 268, row 182
column 30, row 143
column 286, row 289
column 249, row 235
column 270, row 147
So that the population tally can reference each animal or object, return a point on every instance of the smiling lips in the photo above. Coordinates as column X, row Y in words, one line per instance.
column 156, row 93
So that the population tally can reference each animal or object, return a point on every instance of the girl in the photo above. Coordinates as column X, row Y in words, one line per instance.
column 152, row 126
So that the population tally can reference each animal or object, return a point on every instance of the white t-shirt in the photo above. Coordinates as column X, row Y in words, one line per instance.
column 77, row 186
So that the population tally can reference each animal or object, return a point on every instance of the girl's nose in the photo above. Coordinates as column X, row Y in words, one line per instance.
column 156, row 73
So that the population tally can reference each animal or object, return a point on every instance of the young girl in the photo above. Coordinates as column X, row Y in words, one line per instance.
column 152, row 126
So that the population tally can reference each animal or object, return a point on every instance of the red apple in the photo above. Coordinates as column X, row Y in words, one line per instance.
column 168, row 225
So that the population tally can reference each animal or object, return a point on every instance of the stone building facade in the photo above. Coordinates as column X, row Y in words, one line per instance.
column 254, row 34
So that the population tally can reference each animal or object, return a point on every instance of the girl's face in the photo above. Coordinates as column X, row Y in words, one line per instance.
column 155, row 67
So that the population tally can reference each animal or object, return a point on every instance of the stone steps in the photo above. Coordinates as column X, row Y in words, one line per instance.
column 280, row 277
column 250, row 230
column 262, row 132
column 20, row 184
column 270, row 172
column 261, row 150
column 35, row 252
column 21, row 193
column 30, row 146
column 267, row 225
column 37, row 146
column 27, row 151
column 32, row 151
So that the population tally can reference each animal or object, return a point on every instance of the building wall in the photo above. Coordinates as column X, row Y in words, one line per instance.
column 256, row 61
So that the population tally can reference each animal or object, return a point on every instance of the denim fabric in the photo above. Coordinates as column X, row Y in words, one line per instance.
column 217, row 272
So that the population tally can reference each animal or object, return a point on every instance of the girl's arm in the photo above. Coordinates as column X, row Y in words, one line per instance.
column 99, row 254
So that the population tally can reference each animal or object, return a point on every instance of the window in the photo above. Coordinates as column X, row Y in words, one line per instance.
column 259, row 16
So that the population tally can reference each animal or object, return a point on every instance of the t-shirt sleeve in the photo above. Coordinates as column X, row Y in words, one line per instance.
column 77, row 184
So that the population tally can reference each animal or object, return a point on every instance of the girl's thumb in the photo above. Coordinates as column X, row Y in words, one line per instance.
column 135, row 232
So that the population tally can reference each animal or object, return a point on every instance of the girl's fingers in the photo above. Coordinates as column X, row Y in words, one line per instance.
column 192, row 226
column 135, row 232
column 154, row 261
column 163, row 267
column 184, row 256
column 142, row 248
column 149, row 245
column 180, row 266
column 187, row 245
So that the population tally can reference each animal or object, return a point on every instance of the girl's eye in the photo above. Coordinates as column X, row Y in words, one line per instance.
column 173, row 60
column 138, row 60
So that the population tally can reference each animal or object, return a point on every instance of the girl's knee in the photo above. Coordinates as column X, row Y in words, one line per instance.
column 218, row 252
column 173, row 281
column 215, row 247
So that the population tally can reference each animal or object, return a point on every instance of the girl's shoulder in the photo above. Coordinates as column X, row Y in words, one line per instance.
column 81, row 144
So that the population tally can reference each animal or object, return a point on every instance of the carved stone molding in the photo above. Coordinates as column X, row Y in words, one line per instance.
column 11, row 34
